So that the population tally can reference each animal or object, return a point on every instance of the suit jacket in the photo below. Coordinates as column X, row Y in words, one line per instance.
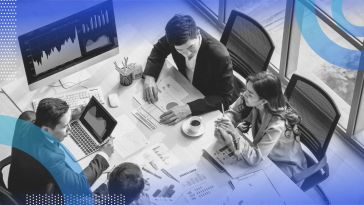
column 38, row 161
column 213, row 75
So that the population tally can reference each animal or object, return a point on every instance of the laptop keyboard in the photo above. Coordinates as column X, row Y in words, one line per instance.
column 83, row 140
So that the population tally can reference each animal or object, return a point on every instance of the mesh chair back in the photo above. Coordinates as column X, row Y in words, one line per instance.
column 248, row 43
column 318, row 111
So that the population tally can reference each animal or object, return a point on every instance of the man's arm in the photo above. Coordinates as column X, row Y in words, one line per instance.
column 223, row 92
column 99, row 163
column 71, row 182
column 157, row 57
column 95, row 168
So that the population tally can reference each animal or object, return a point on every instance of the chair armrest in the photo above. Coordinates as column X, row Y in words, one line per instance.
column 310, row 170
column 3, row 163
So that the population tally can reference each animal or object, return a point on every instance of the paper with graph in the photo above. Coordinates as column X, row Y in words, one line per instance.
column 161, row 189
column 155, row 161
column 171, row 86
column 170, row 94
column 197, row 185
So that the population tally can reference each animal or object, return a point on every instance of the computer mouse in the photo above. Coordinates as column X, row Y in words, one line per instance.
column 114, row 100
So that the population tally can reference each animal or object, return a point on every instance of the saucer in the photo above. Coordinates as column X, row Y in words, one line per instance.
column 188, row 132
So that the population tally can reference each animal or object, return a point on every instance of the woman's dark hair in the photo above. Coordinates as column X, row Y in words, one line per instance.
column 127, row 180
column 268, row 87
column 180, row 29
column 292, row 120
column 50, row 111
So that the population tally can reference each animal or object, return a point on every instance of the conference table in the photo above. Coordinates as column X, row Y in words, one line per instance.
column 187, row 150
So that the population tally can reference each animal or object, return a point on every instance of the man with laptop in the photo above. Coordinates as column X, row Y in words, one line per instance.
column 43, row 160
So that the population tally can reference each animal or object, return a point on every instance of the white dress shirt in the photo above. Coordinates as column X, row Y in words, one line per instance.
column 191, row 63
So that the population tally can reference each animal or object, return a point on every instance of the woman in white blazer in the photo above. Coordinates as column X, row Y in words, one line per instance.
column 262, row 107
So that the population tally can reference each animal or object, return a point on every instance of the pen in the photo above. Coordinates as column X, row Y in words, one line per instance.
column 150, row 172
column 234, row 140
column 223, row 111
column 223, row 114
column 169, row 175
column 231, row 185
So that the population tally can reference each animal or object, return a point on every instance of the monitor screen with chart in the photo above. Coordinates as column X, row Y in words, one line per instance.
column 66, row 46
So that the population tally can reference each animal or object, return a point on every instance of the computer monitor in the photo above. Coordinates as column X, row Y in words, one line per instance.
column 64, row 47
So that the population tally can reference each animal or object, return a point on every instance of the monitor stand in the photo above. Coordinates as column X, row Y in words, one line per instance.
column 75, row 79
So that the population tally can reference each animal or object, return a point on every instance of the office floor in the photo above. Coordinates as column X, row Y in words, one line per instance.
column 344, row 162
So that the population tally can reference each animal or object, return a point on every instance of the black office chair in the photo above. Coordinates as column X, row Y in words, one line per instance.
column 249, row 45
column 3, row 163
column 6, row 198
column 320, row 116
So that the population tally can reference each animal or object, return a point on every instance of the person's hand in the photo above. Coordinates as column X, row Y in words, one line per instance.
column 225, row 137
column 108, row 148
column 244, row 126
column 175, row 114
column 150, row 90
column 76, row 113
column 218, row 136
column 225, row 123
column 142, row 200
column 226, row 129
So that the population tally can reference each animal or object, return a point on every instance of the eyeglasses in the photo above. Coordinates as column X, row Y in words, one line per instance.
column 68, row 127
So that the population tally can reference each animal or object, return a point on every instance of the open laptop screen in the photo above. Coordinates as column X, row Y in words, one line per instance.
column 97, row 120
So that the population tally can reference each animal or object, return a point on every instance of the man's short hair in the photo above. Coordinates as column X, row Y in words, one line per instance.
column 180, row 29
column 50, row 111
column 127, row 180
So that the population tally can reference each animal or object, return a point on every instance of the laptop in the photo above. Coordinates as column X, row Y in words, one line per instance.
column 90, row 131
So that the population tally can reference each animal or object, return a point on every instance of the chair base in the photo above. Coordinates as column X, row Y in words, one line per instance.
column 322, row 194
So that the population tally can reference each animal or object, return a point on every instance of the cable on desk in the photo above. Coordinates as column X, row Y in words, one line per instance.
column 11, row 100
column 72, row 84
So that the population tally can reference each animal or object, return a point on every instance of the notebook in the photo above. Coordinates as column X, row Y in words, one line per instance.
column 90, row 131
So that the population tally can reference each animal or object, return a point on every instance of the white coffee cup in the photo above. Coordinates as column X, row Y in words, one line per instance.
column 194, row 124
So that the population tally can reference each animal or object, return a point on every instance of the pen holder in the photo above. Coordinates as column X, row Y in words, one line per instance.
column 126, row 76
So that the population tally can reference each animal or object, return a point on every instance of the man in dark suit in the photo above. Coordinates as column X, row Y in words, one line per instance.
column 203, row 60
column 38, row 158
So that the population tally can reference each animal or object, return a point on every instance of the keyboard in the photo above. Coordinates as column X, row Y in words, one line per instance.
column 82, row 139
column 78, row 98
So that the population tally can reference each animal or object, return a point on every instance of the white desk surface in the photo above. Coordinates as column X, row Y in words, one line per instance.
column 188, row 150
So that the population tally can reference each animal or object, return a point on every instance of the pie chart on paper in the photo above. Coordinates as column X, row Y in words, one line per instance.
column 171, row 105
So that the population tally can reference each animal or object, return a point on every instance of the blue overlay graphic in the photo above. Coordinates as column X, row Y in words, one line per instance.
column 30, row 139
column 320, row 43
